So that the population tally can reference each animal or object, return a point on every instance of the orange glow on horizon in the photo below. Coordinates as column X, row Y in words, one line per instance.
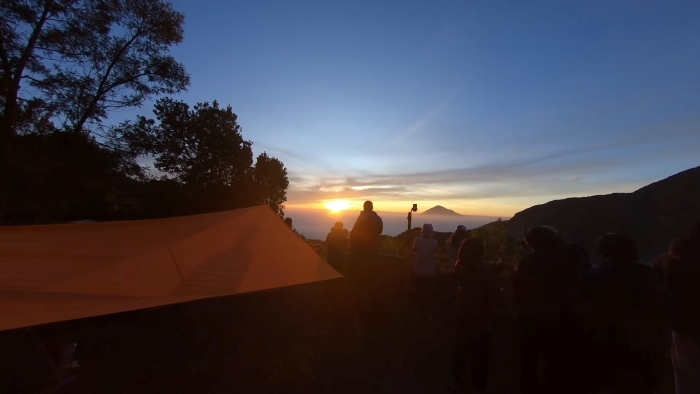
column 337, row 205
column 494, row 209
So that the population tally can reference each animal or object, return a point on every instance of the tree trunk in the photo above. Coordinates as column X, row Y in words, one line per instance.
column 8, row 119
column 6, row 138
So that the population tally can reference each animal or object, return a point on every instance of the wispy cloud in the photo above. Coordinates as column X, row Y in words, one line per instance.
column 429, row 116
column 282, row 152
column 518, row 178
column 566, row 172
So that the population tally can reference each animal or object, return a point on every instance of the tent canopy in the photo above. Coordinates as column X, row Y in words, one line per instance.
column 59, row 272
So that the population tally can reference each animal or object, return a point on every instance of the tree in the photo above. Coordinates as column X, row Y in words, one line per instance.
column 63, row 177
column 270, row 182
column 78, row 60
column 494, row 237
column 118, row 70
column 201, row 148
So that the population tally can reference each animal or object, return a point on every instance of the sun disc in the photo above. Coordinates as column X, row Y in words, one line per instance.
column 337, row 205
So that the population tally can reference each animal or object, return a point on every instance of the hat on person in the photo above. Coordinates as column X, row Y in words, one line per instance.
column 461, row 227
column 427, row 230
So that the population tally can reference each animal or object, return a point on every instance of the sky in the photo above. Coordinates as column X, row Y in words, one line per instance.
column 485, row 107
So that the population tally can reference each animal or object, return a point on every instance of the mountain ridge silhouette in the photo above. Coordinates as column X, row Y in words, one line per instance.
column 652, row 215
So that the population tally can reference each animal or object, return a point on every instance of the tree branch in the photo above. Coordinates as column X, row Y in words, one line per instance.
column 79, row 125
column 29, row 49
column 5, row 60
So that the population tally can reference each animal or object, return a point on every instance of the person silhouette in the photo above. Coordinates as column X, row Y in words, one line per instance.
column 337, row 244
column 364, row 250
column 364, row 236
column 678, row 270
column 623, row 315
column 477, row 297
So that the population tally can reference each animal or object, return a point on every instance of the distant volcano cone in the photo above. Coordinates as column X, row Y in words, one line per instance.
column 440, row 210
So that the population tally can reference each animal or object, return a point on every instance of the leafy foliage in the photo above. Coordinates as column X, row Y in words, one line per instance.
column 202, row 150
column 65, row 65
column 200, row 147
column 63, row 177
column 85, row 58
column 270, row 182
column 75, row 61
column 498, row 244
column 393, row 245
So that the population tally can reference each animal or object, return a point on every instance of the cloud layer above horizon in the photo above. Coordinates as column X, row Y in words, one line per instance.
column 486, row 108
column 517, row 176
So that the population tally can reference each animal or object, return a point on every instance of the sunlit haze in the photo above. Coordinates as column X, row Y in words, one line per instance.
column 484, row 107
column 337, row 205
column 315, row 223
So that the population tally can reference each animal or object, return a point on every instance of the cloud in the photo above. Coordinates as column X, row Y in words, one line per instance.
column 284, row 154
column 425, row 120
column 574, row 172
column 514, row 180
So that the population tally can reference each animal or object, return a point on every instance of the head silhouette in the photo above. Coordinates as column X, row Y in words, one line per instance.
column 339, row 224
column 288, row 222
column 540, row 238
column 368, row 206
column 616, row 248
column 471, row 249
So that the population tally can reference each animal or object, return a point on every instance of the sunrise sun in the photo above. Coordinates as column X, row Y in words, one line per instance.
column 337, row 205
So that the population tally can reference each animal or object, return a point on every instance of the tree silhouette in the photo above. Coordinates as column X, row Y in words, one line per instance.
column 81, row 60
column 202, row 149
column 270, row 182
column 63, row 177
column 65, row 65
column 199, row 147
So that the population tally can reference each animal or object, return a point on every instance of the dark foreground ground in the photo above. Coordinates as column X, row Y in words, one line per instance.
column 303, row 339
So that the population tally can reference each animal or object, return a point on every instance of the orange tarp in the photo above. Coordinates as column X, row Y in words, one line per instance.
column 59, row 272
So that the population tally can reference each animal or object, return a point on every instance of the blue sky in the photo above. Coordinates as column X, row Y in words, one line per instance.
column 486, row 107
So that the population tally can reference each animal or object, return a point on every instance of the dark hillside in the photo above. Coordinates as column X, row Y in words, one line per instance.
column 653, row 215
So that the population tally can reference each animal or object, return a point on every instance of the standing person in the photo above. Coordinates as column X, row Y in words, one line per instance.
column 452, row 247
column 476, row 300
column 623, row 320
column 679, row 271
column 573, row 259
column 364, row 249
column 539, row 290
column 364, row 236
column 337, row 244
column 574, row 256
column 425, row 248
column 453, row 243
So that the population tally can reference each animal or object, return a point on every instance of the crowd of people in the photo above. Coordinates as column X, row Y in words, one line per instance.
column 595, row 323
